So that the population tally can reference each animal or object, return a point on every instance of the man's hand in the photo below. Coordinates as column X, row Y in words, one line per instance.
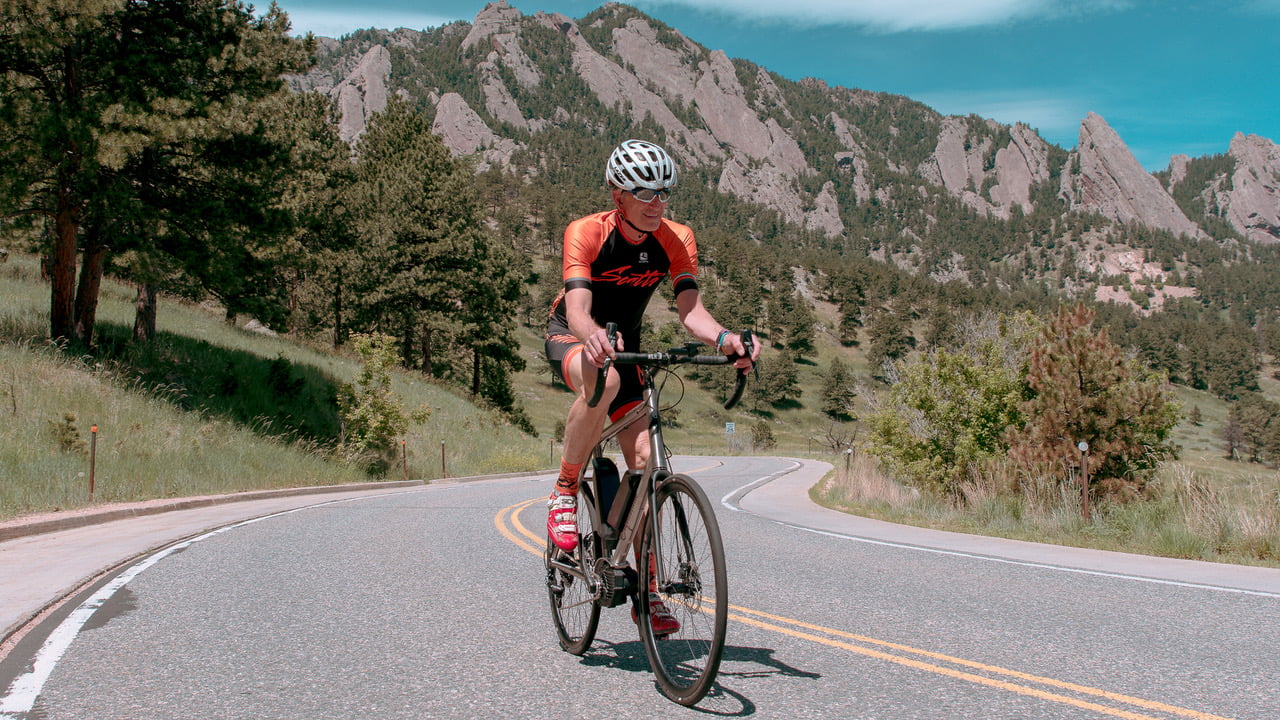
column 732, row 345
column 597, row 347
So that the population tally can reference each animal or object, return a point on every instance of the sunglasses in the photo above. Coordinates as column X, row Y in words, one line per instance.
column 645, row 195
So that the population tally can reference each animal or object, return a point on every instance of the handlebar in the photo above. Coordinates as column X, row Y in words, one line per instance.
column 687, row 355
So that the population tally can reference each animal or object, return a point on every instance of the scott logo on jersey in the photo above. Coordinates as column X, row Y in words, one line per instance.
column 624, row 277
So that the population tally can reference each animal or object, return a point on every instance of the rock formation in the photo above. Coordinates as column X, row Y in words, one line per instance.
column 1252, row 205
column 363, row 92
column 738, row 122
column 1104, row 177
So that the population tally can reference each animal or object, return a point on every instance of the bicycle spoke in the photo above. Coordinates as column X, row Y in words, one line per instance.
column 688, row 560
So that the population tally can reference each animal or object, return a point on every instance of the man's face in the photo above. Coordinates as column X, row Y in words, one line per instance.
column 644, row 215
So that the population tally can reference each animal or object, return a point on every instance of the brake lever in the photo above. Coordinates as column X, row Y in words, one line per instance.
column 611, row 330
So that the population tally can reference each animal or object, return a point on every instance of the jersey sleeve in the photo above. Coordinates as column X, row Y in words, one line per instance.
column 582, row 239
column 682, row 250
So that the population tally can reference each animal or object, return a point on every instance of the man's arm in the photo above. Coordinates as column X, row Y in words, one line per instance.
column 698, row 321
column 595, row 341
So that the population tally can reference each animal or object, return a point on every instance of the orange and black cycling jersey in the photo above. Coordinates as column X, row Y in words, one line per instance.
column 622, row 275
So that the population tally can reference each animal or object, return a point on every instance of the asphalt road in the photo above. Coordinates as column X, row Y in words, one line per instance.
column 429, row 603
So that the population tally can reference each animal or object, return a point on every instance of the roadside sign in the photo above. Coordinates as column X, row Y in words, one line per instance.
column 728, row 428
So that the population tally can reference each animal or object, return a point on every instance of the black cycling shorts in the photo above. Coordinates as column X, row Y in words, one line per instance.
column 561, row 347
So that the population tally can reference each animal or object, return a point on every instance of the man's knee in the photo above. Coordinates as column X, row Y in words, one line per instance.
column 612, row 383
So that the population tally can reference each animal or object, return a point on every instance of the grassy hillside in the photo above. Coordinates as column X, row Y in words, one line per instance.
column 210, row 408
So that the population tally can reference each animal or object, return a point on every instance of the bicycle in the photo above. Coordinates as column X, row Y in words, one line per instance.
column 679, row 544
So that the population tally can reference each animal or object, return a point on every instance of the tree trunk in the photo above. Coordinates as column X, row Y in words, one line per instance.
column 86, row 304
column 337, row 314
column 144, row 318
column 62, row 275
column 426, row 353
column 475, row 372
column 407, row 347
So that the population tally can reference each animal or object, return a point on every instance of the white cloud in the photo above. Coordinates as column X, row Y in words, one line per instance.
column 336, row 23
column 1057, row 118
column 901, row 15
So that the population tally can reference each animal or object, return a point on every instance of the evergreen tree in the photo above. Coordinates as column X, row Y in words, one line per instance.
column 889, row 339
column 99, row 94
column 1252, row 424
column 1084, row 390
column 850, row 322
column 425, row 269
column 312, row 260
column 778, row 382
column 837, row 392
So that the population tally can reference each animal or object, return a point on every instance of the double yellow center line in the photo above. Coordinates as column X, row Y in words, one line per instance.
column 1079, row 696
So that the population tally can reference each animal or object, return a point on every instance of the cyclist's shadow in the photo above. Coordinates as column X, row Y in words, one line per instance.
column 738, row 663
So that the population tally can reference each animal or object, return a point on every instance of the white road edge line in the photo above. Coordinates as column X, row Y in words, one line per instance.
column 732, row 499
column 25, row 689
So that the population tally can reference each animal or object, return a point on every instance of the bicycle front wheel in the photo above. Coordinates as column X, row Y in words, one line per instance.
column 684, row 564
column 572, row 585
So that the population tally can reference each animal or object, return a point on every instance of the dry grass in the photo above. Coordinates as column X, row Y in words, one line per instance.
column 169, row 425
column 1186, row 516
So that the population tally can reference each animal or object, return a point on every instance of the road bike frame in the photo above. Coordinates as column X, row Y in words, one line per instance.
column 656, row 470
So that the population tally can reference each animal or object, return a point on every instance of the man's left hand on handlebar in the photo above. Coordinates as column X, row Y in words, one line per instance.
column 733, row 346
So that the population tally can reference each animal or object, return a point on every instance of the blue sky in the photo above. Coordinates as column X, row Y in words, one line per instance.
column 1174, row 76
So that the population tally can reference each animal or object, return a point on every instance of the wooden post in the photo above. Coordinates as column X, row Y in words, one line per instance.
column 93, row 457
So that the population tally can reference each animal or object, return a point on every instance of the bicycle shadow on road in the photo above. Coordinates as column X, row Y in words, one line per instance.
column 738, row 663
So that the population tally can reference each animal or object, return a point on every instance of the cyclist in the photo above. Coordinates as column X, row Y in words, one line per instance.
column 613, row 263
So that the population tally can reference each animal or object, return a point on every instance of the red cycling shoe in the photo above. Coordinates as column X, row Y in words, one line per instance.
column 660, row 618
column 562, row 521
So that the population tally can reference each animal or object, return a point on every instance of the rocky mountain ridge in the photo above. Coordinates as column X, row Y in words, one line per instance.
column 814, row 154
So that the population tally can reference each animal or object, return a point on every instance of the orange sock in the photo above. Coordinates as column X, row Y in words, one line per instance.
column 567, row 484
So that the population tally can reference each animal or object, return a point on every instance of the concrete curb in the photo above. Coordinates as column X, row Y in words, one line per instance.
column 57, row 522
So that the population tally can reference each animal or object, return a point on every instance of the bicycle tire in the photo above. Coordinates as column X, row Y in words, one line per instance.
column 575, row 610
column 690, row 552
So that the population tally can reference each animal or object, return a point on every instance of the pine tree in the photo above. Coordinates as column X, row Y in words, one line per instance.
column 106, row 103
column 889, row 340
column 425, row 269
column 837, row 392
column 778, row 382
column 1084, row 390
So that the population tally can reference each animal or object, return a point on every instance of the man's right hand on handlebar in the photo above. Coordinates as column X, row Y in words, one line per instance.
column 597, row 349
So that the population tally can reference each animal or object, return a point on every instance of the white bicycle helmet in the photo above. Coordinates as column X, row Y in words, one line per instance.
column 639, row 164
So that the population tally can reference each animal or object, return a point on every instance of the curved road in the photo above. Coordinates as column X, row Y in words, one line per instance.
column 429, row 603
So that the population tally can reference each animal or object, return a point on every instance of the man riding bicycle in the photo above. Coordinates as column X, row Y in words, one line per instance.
column 613, row 262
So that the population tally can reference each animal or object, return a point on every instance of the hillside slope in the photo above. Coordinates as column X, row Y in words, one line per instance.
column 859, row 172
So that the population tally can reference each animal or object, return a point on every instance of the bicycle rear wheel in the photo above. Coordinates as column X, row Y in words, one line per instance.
column 688, row 558
column 571, row 583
